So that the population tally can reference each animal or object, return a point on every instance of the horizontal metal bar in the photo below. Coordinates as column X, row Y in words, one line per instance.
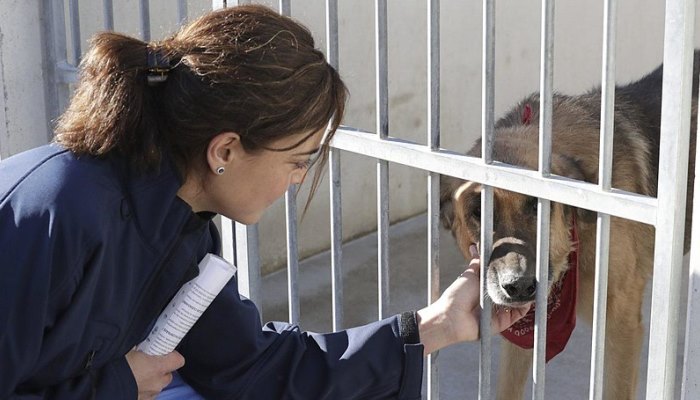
column 66, row 73
column 555, row 188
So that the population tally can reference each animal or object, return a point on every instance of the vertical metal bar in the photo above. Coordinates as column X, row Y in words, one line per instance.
column 336, row 240
column 691, row 359
column 546, row 83
column 486, row 243
column 604, row 181
column 433, row 139
column 335, row 185
column 108, row 15
column 487, row 132
column 236, row 251
column 381, row 54
column 4, row 139
column 74, row 12
column 54, row 39
column 291, row 213
column 383, row 238
column 543, row 214
column 248, row 262
column 433, row 391
column 145, row 15
column 245, row 237
column 285, row 7
column 382, row 165
column 543, row 206
column 292, row 254
column 488, row 60
column 228, row 240
column 182, row 11
column 670, row 219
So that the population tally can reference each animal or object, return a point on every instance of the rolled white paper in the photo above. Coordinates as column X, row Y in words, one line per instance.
column 187, row 306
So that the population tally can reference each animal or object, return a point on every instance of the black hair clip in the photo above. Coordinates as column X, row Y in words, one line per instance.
column 158, row 67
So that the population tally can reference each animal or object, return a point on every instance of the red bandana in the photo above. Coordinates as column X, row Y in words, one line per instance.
column 561, row 309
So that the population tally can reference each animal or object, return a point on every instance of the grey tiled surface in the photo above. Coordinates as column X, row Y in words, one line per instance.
column 567, row 375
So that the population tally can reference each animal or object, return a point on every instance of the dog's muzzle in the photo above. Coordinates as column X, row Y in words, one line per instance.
column 510, row 279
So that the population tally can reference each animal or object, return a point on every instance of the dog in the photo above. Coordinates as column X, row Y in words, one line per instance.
column 575, row 145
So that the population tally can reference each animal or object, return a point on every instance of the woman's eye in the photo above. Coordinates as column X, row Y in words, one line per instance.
column 303, row 164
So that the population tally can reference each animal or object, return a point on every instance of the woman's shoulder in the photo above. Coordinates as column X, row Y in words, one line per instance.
column 52, row 177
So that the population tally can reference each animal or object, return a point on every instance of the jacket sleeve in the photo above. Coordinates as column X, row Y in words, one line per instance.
column 34, row 290
column 230, row 355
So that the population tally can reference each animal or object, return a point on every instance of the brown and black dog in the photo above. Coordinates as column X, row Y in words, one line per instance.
column 575, row 147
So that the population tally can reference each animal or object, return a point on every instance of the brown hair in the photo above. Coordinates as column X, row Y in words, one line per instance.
column 243, row 69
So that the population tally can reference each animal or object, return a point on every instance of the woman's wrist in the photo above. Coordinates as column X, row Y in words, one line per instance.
column 435, row 329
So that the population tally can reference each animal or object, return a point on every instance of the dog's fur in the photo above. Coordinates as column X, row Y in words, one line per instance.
column 575, row 146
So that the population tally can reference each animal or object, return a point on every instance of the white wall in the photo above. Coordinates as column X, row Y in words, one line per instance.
column 577, row 63
column 23, row 122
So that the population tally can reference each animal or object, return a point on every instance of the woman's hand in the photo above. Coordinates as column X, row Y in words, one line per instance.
column 454, row 317
column 153, row 373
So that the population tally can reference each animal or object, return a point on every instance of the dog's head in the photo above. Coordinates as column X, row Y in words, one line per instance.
column 512, row 266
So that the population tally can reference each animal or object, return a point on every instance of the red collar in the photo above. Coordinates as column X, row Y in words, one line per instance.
column 561, row 308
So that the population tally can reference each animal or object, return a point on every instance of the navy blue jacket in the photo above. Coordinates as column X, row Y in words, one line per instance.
column 90, row 252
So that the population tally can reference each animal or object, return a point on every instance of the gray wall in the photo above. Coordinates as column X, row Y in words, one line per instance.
column 577, row 61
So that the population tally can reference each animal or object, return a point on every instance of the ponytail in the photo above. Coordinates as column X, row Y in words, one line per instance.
column 112, row 108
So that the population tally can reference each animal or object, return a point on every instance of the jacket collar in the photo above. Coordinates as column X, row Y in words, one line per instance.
column 151, row 200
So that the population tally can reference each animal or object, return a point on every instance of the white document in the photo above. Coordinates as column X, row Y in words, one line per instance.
column 187, row 306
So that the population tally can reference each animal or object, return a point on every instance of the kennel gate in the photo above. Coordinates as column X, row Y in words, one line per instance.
column 240, row 242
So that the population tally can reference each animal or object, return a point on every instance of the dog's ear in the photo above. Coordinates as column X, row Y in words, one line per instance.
column 447, row 212
column 571, row 167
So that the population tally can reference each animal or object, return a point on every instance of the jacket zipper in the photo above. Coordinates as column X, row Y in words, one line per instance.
column 154, row 278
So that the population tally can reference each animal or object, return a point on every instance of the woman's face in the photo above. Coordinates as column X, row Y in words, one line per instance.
column 251, row 182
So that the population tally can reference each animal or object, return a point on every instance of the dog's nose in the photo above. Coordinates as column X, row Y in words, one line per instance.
column 520, row 289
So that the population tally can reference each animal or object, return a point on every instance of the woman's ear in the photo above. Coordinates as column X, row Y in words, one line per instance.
column 223, row 149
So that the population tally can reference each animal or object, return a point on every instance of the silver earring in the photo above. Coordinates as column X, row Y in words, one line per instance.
column 220, row 170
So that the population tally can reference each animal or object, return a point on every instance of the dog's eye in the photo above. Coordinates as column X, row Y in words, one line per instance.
column 531, row 205
column 476, row 213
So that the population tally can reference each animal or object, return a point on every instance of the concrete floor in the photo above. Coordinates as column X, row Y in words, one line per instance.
column 567, row 375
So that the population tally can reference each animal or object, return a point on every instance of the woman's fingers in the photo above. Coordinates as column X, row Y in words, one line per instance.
column 503, row 317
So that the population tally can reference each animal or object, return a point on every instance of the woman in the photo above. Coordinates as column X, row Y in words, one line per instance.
column 100, row 229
